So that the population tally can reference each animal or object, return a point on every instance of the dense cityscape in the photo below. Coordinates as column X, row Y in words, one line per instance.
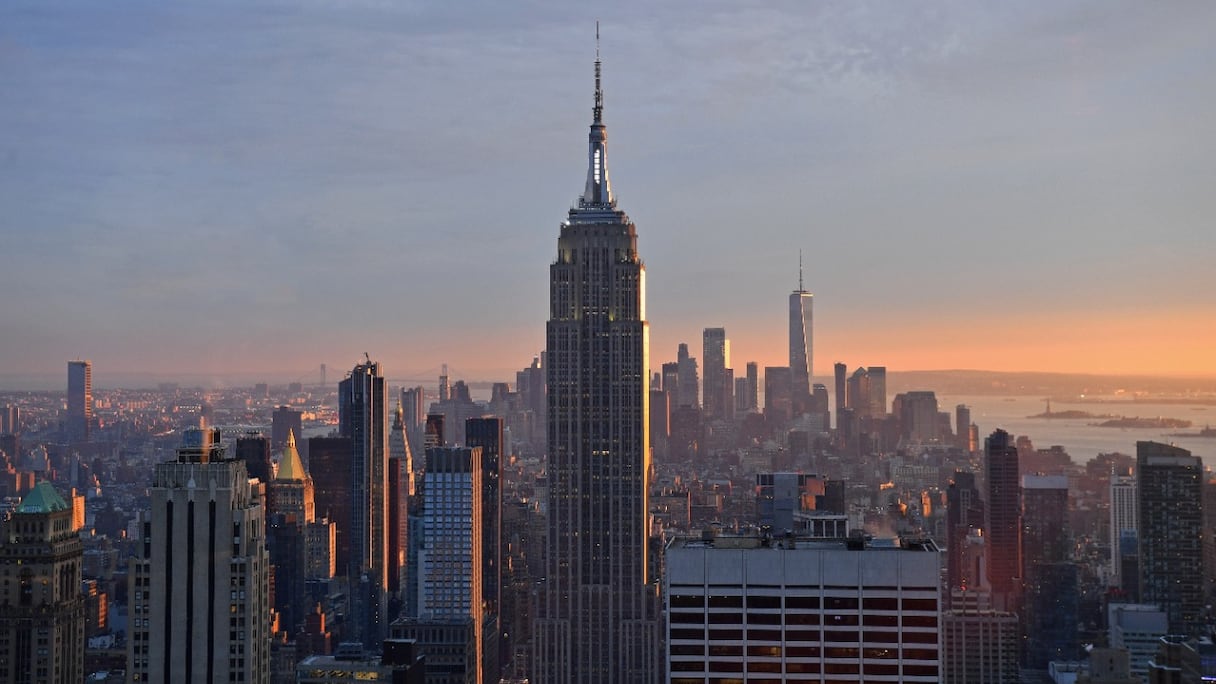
column 612, row 513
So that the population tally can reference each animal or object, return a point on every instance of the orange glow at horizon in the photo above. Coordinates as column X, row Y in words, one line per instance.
column 1175, row 343
column 1100, row 343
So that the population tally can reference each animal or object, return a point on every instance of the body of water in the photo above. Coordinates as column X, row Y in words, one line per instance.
column 1079, row 437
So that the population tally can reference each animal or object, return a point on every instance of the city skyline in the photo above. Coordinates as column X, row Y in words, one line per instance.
column 164, row 164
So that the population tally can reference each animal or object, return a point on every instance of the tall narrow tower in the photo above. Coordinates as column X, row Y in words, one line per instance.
column 80, row 400
column 800, row 344
column 1004, row 519
column 363, row 418
column 597, row 609
column 715, row 354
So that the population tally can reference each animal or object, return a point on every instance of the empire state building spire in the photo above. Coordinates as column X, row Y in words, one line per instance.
column 597, row 615
column 599, row 191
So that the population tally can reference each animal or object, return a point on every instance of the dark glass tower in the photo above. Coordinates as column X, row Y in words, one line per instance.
column 1049, row 606
column 1171, row 533
column 1004, row 520
column 597, row 609
column 363, row 417
column 487, row 434
column 254, row 449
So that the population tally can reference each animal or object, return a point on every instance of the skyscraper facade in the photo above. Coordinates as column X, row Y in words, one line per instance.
column 979, row 645
column 329, row 464
column 800, row 344
column 198, row 597
column 752, row 399
column 718, row 401
column 80, row 401
column 1004, row 519
column 840, row 372
column 688, row 380
column 400, row 489
column 917, row 415
column 1171, row 525
column 486, row 435
column 1124, row 517
column 254, row 449
column 290, row 510
column 283, row 421
column 597, row 609
column 877, row 392
column 10, row 420
column 449, row 614
column 962, row 427
column 1050, row 577
column 778, row 405
column 363, row 417
column 964, row 516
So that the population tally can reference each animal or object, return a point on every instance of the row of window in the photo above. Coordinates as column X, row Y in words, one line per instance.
column 806, row 602
column 811, row 635
column 801, row 619
column 855, row 668
column 761, row 651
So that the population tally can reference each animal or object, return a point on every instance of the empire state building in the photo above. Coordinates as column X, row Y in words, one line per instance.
column 597, row 609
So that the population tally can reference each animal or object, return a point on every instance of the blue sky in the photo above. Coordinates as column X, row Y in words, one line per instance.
column 235, row 187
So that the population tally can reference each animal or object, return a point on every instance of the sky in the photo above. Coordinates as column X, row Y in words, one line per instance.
column 255, row 188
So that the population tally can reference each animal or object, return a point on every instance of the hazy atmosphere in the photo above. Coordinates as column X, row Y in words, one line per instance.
column 234, row 187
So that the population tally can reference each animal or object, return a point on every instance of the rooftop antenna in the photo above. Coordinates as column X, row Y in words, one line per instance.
column 800, row 288
column 599, row 94
column 367, row 356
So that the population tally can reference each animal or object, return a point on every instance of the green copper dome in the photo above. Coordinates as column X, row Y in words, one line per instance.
column 42, row 499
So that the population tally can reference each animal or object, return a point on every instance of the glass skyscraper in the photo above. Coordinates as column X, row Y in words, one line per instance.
column 363, row 418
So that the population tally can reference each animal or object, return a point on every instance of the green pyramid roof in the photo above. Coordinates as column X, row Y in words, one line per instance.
column 42, row 499
column 290, row 465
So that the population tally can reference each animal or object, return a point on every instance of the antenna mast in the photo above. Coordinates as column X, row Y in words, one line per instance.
column 599, row 94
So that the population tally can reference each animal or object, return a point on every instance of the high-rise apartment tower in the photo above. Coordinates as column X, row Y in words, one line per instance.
column 80, row 400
